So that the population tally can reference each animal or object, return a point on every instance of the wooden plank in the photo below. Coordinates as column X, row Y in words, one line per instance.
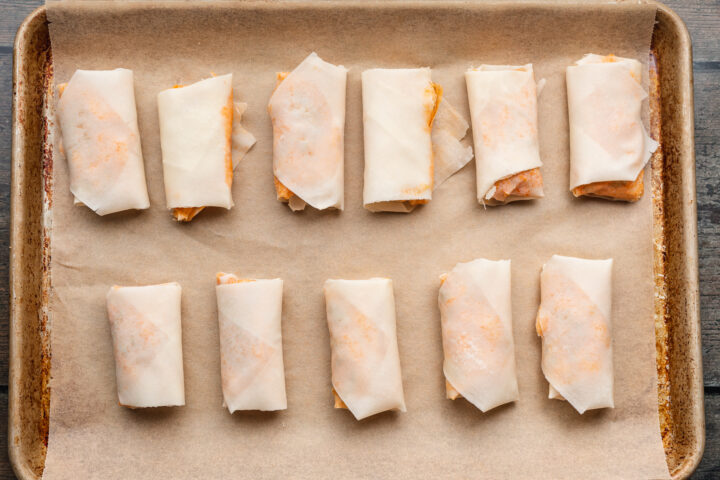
column 707, row 158
column 5, row 129
column 6, row 472
column 13, row 13
column 702, row 18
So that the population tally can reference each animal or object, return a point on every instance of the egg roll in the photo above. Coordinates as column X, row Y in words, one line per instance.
column 478, row 346
column 365, row 361
column 251, row 354
column 609, row 146
column 307, row 110
column 399, row 107
column 503, row 111
column 575, row 326
column 196, row 141
column 98, row 123
column 147, row 343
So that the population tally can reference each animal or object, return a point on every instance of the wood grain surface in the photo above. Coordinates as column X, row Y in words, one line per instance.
column 703, row 20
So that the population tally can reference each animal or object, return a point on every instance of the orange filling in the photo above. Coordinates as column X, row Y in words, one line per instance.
column 227, row 113
column 450, row 391
column 185, row 214
column 437, row 92
column 628, row 191
column 225, row 279
column 283, row 193
column 338, row 401
column 519, row 185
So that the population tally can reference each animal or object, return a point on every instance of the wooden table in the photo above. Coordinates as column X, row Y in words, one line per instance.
column 703, row 20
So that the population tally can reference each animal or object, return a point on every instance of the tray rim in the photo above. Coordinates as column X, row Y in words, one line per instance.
column 688, row 207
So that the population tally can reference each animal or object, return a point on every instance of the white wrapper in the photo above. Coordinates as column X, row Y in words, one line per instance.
column 503, row 110
column 365, row 359
column 251, row 354
column 449, row 154
column 398, row 110
column 147, row 341
column 476, row 314
column 575, row 326
column 307, row 110
column 98, row 120
column 195, row 136
column 608, row 141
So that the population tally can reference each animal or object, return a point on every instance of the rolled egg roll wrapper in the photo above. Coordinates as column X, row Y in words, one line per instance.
column 195, row 137
column 398, row 110
column 503, row 111
column 147, row 342
column 608, row 141
column 478, row 346
column 98, row 123
column 365, row 360
column 307, row 110
column 251, row 354
column 574, row 323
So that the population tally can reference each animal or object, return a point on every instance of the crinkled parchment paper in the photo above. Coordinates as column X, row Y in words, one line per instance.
column 179, row 43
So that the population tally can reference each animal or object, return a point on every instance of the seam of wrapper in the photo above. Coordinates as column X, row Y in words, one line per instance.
column 649, row 147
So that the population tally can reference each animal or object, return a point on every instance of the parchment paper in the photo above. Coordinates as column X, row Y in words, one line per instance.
column 92, row 437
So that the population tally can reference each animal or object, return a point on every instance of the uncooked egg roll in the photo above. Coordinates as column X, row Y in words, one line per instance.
column 100, row 137
column 476, row 317
column 195, row 136
column 609, row 145
column 365, row 361
column 574, row 323
column 307, row 110
column 147, row 341
column 251, row 354
column 503, row 111
column 399, row 106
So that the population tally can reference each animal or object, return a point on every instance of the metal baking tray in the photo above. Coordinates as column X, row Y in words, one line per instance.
column 677, row 319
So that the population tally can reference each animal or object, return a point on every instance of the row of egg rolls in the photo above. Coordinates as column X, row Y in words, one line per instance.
column 477, row 337
column 411, row 136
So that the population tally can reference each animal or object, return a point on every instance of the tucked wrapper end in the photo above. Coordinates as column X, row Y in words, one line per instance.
column 98, row 122
column 399, row 106
column 147, row 343
column 196, row 140
column 609, row 146
column 251, row 355
column 307, row 110
column 365, row 361
column 575, row 325
column 476, row 315
column 503, row 107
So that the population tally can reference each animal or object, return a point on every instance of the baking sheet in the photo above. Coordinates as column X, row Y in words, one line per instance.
column 90, row 436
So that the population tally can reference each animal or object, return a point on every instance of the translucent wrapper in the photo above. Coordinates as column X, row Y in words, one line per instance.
column 147, row 341
column 251, row 356
column 365, row 360
column 476, row 313
column 608, row 141
column 503, row 104
column 574, row 321
column 101, row 141
column 308, row 113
